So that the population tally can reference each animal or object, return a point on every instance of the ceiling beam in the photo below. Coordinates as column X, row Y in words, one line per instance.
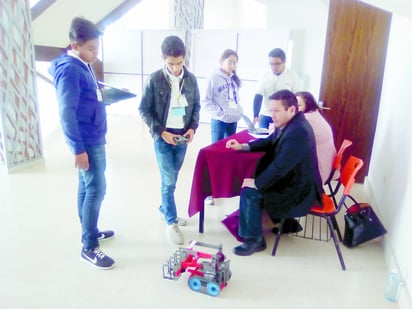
column 47, row 53
column 40, row 7
column 118, row 12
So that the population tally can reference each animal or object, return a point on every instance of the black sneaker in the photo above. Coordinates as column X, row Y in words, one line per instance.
column 97, row 258
column 290, row 226
column 104, row 235
column 250, row 246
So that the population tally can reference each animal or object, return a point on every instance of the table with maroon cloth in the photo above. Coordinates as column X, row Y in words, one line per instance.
column 219, row 172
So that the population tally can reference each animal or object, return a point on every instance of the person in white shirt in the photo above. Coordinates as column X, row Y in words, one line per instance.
column 278, row 78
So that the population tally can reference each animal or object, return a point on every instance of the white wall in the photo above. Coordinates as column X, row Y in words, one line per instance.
column 307, row 23
column 48, row 106
column 391, row 161
column 235, row 14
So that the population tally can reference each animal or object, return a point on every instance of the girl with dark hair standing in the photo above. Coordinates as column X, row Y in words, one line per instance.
column 222, row 97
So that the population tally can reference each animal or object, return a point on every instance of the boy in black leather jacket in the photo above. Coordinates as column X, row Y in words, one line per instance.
column 170, row 107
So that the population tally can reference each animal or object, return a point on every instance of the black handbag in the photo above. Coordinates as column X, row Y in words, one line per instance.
column 361, row 225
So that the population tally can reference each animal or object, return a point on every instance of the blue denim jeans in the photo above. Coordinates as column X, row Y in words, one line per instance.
column 264, row 121
column 91, row 191
column 250, row 217
column 221, row 130
column 169, row 159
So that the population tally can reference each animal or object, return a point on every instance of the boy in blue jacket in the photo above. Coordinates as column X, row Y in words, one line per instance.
column 83, row 120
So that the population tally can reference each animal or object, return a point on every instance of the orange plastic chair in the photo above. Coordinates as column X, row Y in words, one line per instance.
column 337, row 164
column 329, row 208
column 334, row 174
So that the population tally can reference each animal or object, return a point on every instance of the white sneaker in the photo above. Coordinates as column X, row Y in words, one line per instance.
column 175, row 234
column 180, row 221
column 209, row 200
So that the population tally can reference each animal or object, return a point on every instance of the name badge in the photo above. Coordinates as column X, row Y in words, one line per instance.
column 178, row 111
column 99, row 95
column 181, row 101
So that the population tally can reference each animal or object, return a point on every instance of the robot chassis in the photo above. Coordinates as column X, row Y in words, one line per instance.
column 209, row 273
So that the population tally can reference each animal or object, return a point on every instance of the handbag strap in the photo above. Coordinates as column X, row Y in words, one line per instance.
column 353, row 200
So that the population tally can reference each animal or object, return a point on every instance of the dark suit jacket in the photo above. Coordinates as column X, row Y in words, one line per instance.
column 288, row 174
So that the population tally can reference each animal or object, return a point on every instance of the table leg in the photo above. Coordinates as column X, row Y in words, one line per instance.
column 201, row 220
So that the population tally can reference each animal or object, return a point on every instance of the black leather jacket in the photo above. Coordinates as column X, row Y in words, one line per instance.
column 154, row 106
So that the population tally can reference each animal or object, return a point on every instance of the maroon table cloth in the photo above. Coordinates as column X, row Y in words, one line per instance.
column 219, row 172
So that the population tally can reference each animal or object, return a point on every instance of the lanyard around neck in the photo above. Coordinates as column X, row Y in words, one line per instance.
column 230, row 85
column 92, row 74
column 167, row 77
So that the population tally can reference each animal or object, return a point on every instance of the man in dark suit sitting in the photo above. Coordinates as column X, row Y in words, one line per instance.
column 287, row 181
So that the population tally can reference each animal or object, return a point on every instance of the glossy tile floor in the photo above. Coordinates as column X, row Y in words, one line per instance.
column 40, row 242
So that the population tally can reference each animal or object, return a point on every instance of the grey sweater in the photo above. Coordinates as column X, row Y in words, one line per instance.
column 222, row 98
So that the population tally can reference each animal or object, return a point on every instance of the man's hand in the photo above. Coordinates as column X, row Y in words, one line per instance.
column 81, row 161
column 271, row 128
column 249, row 182
column 233, row 144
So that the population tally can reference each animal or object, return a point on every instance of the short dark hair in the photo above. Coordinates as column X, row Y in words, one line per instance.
column 173, row 46
column 287, row 97
column 83, row 30
column 278, row 53
column 310, row 102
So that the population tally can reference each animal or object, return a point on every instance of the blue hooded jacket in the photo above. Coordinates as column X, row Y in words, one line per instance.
column 82, row 116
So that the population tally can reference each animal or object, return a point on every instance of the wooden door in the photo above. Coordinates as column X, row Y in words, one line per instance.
column 353, row 67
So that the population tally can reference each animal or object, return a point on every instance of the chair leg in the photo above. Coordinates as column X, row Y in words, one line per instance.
column 336, row 227
column 330, row 188
column 277, row 238
column 335, row 241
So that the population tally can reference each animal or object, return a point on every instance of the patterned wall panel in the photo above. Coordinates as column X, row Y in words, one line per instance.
column 20, row 139
column 188, row 16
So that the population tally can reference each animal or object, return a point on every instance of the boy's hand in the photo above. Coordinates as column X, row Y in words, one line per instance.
column 189, row 134
column 82, row 161
column 168, row 137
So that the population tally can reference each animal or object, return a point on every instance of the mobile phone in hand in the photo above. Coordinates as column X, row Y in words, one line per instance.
column 179, row 140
